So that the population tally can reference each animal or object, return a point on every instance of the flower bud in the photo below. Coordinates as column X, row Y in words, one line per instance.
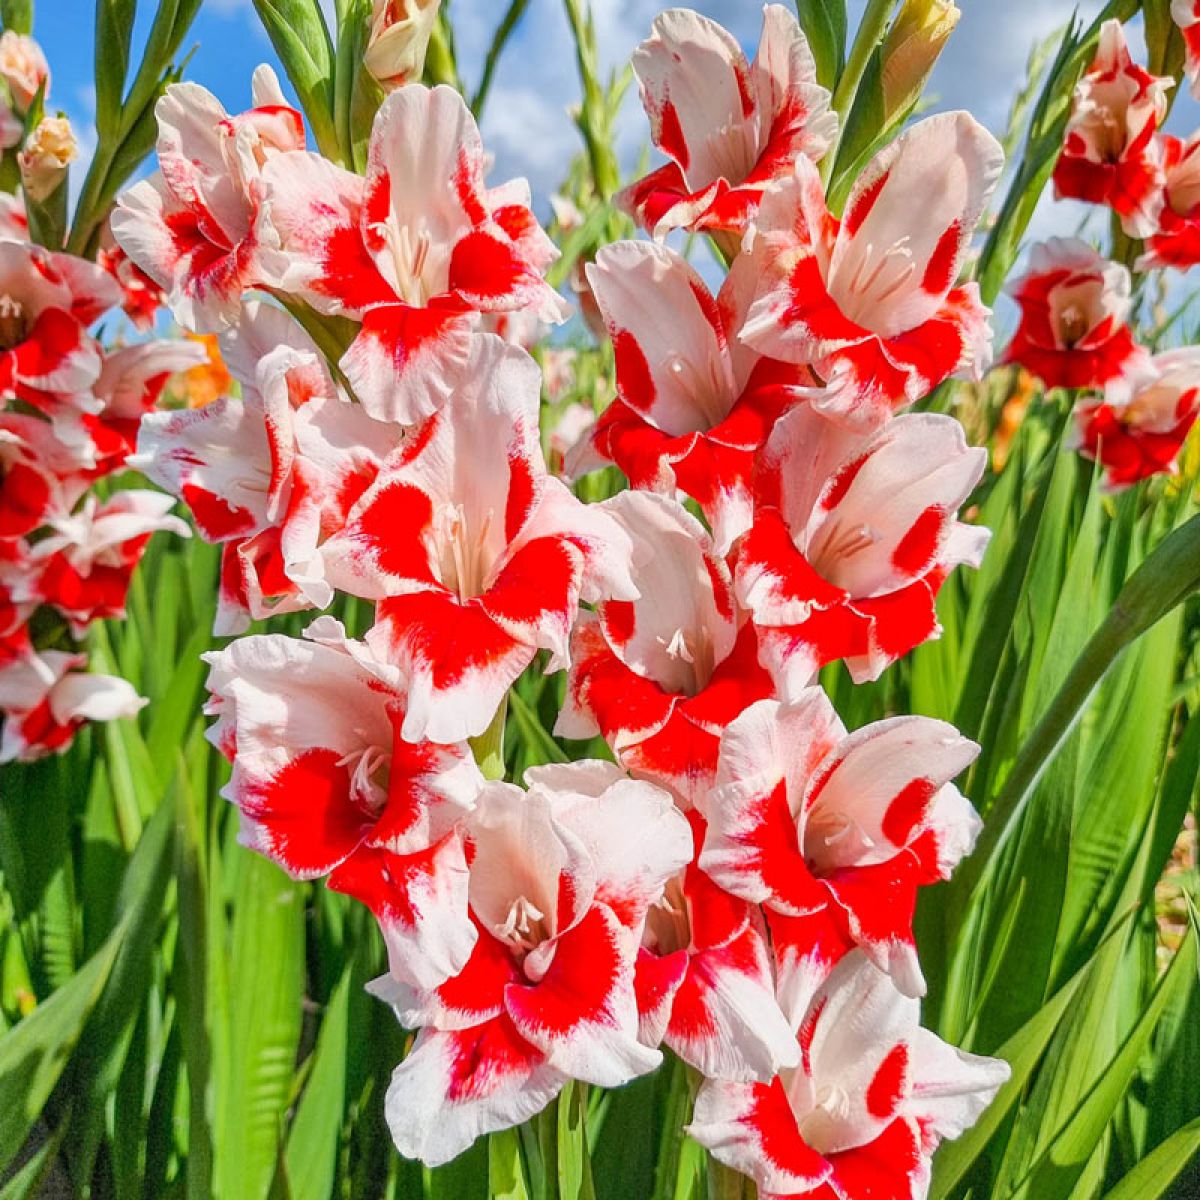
column 43, row 162
column 400, row 33
column 916, row 38
column 23, row 67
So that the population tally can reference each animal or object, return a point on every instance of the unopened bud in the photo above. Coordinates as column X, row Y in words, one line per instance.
column 23, row 67
column 43, row 162
column 916, row 38
column 400, row 33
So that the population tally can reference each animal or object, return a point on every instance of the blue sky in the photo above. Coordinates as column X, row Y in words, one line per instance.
column 526, row 125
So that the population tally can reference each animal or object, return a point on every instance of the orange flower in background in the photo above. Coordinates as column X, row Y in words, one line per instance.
column 207, row 381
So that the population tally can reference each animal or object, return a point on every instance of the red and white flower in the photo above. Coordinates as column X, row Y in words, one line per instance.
column 326, row 786
column 873, row 1097
column 1175, row 242
column 853, row 537
column 661, row 674
column 47, row 696
column 705, row 984
column 198, row 226
column 271, row 473
column 83, row 564
column 142, row 297
column 415, row 251
column 1186, row 14
column 806, row 819
column 870, row 302
column 561, row 878
column 1074, row 311
column 693, row 404
column 129, row 386
column 47, row 357
column 1140, row 425
column 39, row 476
column 23, row 68
column 727, row 126
column 1109, row 155
column 477, row 556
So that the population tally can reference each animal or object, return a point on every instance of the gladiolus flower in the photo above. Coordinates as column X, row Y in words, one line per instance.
column 131, row 382
column 49, row 150
column 559, row 896
column 415, row 251
column 704, row 981
column 1176, row 240
column 662, row 674
column 1186, row 14
column 39, row 476
column 853, row 537
column 142, row 296
column 399, row 38
column 271, row 473
column 1109, row 154
column 870, row 302
column 808, row 820
column 82, row 566
column 873, row 1097
column 197, row 227
column 728, row 126
column 477, row 556
column 23, row 68
column 693, row 404
column 47, row 697
column 1139, row 427
column 326, row 786
column 1074, row 307
column 47, row 358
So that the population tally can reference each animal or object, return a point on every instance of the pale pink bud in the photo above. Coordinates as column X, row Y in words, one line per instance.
column 43, row 162
column 23, row 67
column 400, row 33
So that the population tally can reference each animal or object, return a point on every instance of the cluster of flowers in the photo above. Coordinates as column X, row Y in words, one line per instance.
column 69, row 419
column 739, row 883
column 1075, row 304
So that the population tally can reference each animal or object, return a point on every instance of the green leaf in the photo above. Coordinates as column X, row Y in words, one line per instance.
column 17, row 15
column 1023, row 1052
column 574, row 1159
column 506, row 1169
column 114, row 29
column 312, row 1145
column 1056, row 1171
column 1153, row 1177
column 27, row 1183
column 266, row 993
column 824, row 24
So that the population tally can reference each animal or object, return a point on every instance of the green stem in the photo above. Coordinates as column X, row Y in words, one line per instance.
column 488, row 747
column 516, row 10
column 870, row 33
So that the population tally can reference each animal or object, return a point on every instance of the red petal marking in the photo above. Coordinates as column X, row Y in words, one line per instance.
column 634, row 381
column 917, row 549
column 808, row 1031
column 409, row 795
column 539, row 584
column 485, row 1058
column 348, row 272
column 940, row 270
column 883, row 1169
column 391, row 885
column 619, row 618
column 24, row 500
column 810, row 306
column 888, row 1087
column 907, row 810
column 479, row 987
column 656, row 979
column 671, row 139
column 522, row 490
column 450, row 638
column 903, row 619
column 486, row 269
column 392, row 527
column 310, row 821
column 39, row 730
column 468, row 186
column 835, row 491
column 861, row 208
column 770, row 1117
column 587, row 967
column 218, row 519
